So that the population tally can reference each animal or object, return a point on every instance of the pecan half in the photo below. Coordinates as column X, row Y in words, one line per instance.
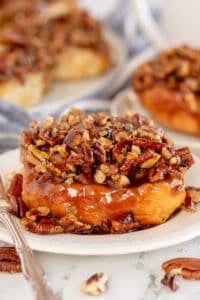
column 186, row 267
column 18, row 207
column 15, row 187
column 9, row 260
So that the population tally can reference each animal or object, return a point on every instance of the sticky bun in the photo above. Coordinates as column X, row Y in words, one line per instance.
column 56, row 31
column 169, row 88
column 99, row 173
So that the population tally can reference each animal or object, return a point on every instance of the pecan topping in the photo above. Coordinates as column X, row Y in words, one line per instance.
column 96, row 284
column 103, row 149
column 9, row 260
column 22, row 54
column 175, row 69
column 186, row 267
column 51, row 28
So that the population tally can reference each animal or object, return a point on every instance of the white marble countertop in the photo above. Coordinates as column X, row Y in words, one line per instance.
column 131, row 277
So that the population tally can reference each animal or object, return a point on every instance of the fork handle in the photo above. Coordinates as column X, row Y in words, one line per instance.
column 31, row 269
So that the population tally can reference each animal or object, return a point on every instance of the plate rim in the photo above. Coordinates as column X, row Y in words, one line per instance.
column 34, row 240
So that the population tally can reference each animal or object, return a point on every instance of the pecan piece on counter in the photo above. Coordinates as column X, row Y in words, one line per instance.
column 186, row 267
column 9, row 260
column 95, row 284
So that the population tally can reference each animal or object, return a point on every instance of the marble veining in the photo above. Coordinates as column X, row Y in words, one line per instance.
column 131, row 277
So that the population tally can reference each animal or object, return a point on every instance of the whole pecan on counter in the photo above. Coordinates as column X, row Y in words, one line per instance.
column 186, row 267
column 9, row 260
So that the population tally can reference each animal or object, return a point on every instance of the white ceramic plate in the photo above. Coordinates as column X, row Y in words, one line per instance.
column 128, row 100
column 181, row 227
column 64, row 92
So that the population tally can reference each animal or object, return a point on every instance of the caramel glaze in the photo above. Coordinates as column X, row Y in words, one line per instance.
column 166, row 105
column 150, row 203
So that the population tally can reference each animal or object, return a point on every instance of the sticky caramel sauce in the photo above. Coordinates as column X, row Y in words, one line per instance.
column 93, row 203
column 167, row 106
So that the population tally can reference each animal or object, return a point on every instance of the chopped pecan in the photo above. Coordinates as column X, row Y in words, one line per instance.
column 146, row 144
column 83, row 178
column 99, row 176
column 85, row 148
column 185, row 156
column 175, row 69
column 186, row 267
column 34, row 214
column 95, row 284
column 21, row 207
column 158, row 173
column 45, row 226
column 149, row 163
column 87, row 153
column 14, row 192
column 76, row 159
column 124, row 223
column 45, row 177
column 73, row 138
column 15, row 188
column 123, row 181
column 99, row 153
column 130, row 162
column 40, row 155
column 71, row 224
column 194, row 193
column 109, row 169
column 118, row 227
column 9, row 260
column 167, row 152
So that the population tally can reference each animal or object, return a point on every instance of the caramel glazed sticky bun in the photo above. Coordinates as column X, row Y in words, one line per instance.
column 168, row 86
column 96, row 173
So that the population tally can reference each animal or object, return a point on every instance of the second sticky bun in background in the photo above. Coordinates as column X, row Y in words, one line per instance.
column 169, row 88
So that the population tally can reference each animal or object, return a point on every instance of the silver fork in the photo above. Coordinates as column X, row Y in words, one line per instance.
column 31, row 269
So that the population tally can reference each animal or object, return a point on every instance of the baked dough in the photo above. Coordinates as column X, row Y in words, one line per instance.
column 80, row 63
column 25, row 94
column 61, row 42
column 169, row 88
column 96, row 169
